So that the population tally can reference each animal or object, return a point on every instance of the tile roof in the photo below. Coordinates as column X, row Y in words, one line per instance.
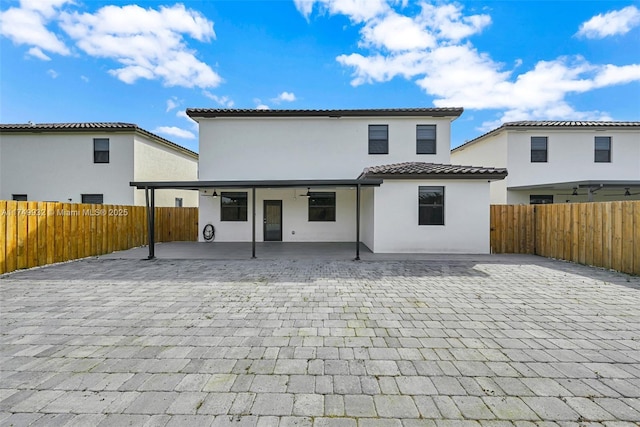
column 431, row 170
column 380, row 112
column 553, row 124
column 89, row 127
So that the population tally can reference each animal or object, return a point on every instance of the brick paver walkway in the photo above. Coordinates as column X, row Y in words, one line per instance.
column 303, row 343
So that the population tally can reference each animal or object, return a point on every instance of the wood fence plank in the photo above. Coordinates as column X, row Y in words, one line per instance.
column 627, row 238
column 607, row 233
column 616, row 239
column 42, row 232
column 567, row 242
column 558, row 234
column 4, row 215
column 59, row 233
column 11, row 252
column 589, row 237
column 636, row 238
column 582, row 254
column 597, row 234
column 32, row 234
column 22, row 235
column 66, row 231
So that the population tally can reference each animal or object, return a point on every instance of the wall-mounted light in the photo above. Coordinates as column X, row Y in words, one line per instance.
column 308, row 193
column 215, row 194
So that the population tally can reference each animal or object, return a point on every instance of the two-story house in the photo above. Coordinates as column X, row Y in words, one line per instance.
column 302, row 173
column 559, row 162
column 91, row 163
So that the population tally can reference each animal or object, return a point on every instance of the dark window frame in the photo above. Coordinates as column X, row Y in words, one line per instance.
column 423, row 145
column 378, row 145
column 88, row 198
column 235, row 210
column 19, row 197
column 424, row 218
column 322, row 212
column 536, row 156
column 540, row 199
column 100, row 155
column 605, row 155
column 178, row 202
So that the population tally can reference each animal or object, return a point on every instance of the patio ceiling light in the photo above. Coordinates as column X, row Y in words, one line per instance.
column 215, row 194
column 308, row 193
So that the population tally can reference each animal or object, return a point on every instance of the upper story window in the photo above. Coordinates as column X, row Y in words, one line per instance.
column 233, row 206
column 603, row 149
column 430, row 205
column 19, row 197
column 322, row 206
column 378, row 139
column 539, row 149
column 96, row 199
column 426, row 139
column 100, row 150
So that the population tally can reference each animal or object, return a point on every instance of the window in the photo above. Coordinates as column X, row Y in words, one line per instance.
column 322, row 206
column 538, row 149
column 96, row 199
column 537, row 199
column 100, row 150
column 426, row 139
column 431, row 206
column 233, row 206
column 19, row 197
column 178, row 202
column 378, row 139
column 603, row 149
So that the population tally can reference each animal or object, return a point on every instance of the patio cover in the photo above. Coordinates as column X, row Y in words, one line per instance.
column 150, row 186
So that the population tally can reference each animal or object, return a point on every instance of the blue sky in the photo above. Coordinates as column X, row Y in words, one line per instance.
column 145, row 62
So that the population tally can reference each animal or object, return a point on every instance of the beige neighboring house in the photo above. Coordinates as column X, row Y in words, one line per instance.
column 91, row 163
column 559, row 161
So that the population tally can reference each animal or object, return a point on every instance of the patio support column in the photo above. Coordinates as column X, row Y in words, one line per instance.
column 150, row 220
column 358, row 222
column 253, row 222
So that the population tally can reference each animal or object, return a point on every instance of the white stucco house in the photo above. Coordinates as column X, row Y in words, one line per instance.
column 378, row 176
column 559, row 161
column 91, row 163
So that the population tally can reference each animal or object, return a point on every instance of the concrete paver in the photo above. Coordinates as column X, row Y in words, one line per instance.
column 459, row 341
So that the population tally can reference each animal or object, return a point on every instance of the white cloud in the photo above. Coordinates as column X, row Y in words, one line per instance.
column 53, row 73
column 224, row 101
column 27, row 24
column 172, row 103
column 84, row 79
column 432, row 48
column 611, row 23
column 284, row 97
column 175, row 131
column 356, row 10
column 38, row 53
column 148, row 43
column 262, row 107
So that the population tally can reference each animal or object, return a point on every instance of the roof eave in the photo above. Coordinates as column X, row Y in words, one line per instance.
column 491, row 176
column 196, row 113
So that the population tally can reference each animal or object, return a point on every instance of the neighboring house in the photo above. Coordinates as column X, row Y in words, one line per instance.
column 91, row 163
column 411, row 200
column 559, row 162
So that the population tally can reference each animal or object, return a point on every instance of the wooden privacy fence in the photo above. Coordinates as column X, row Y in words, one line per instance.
column 39, row 233
column 603, row 234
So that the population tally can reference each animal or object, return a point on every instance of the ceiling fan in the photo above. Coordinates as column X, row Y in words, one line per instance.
column 627, row 193
column 574, row 193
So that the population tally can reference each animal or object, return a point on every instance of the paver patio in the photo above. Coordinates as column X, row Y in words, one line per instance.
column 504, row 340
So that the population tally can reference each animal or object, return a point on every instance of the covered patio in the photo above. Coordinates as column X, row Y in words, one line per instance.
column 236, row 250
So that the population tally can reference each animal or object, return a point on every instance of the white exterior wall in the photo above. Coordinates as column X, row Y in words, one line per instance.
column 295, row 224
column 466, row 228
column 156, row 162
column 367, row 216
column 59, row 167
column 308, row 148
column 571, row 157
column 491, row 152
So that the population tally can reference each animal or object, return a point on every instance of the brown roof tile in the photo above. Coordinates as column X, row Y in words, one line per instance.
column 400, row 112
column 423, row 170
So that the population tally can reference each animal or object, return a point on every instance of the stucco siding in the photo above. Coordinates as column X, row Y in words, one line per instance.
column 296, row 226
column 488, row 152
column 308, row 148
column 156, row 162
column 60, row 167
column 466, row 228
